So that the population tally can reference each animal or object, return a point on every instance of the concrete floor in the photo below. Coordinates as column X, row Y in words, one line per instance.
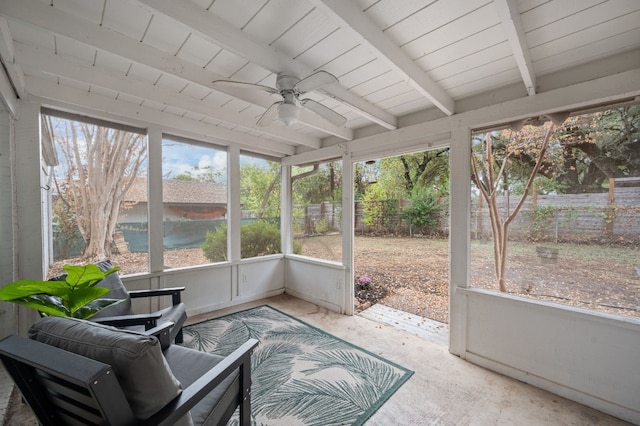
column 445, row 390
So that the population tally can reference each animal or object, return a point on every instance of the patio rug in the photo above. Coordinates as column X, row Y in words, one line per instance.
column 301, row 375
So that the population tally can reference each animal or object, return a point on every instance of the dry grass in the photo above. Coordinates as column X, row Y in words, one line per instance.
column 412, row 274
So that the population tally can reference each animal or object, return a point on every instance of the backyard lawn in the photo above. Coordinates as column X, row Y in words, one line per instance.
column 411, row 274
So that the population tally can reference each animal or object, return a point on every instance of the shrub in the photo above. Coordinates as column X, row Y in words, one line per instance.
column 322, row 226
column 424, row 212
column 257, row 239
column 380, row 210
column 215, row 245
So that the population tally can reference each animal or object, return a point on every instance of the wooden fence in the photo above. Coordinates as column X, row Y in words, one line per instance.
column 602, row 217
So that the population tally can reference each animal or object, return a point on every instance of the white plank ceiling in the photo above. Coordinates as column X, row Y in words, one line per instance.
column 156, row 60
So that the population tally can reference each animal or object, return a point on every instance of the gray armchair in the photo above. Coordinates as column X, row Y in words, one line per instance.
column 73, row 371
column 122, row 314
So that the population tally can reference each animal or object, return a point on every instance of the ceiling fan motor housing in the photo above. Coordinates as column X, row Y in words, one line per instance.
column 288, row 110
column 290, row 87
column 286, row 82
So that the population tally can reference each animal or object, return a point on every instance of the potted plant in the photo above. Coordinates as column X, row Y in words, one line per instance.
column 73, row 294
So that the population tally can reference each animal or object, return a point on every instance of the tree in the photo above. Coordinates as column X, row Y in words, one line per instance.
column 410, row 176
column 602, row 145
column 490, row 170
column 397, row 176
column 587, row 151
column 260, row 189
column 319, row 184
column 98, row 166
column 423, row 168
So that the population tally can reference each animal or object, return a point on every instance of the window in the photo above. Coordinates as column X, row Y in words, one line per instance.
column 575, row 238
column 97, row 173
column 194, row 202
column 317, row 210
column 260, row 202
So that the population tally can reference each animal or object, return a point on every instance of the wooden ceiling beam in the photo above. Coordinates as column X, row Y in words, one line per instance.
column 122, row 111
column 40, row 60
column 350, row 16
column 225, row 35
column 51, row 19
column 512, row 24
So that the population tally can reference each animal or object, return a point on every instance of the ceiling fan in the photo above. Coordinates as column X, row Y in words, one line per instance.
column 290, row 88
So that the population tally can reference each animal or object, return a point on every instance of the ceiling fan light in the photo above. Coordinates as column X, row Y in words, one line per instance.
column 288, row 113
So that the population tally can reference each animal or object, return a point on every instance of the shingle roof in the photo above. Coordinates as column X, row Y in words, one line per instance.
column 181, row 192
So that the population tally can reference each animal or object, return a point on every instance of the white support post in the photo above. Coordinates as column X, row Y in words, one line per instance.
column 459, row 240
column 30, row 186
column 348, row 231
column 154, row 203
column 286, row 211
column 234, row 206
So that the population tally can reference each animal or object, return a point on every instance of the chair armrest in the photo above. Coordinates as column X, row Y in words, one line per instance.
column 148, row 320
column 174, row 292
column 162, row 333
column 240, row 358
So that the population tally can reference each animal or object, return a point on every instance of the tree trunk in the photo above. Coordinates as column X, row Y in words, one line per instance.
column 488, row 184
column 101, row 165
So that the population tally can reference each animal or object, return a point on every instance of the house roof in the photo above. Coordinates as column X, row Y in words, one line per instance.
column 181, row 192
column 398, row 62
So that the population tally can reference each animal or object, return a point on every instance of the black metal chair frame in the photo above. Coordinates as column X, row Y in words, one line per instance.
column 62, row 387
column 148, row 320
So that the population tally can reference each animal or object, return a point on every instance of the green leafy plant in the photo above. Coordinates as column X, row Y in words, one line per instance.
column 75, row 294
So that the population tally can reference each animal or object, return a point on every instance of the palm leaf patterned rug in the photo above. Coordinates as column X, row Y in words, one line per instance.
column 301, row 375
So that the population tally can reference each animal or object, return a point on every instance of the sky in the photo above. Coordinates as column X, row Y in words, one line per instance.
column 179, row 157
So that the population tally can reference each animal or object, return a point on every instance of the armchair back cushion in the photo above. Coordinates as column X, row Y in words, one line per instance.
column 117, row 291
column 136, row 359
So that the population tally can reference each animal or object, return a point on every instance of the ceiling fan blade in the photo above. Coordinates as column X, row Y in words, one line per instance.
column 315, row 81
column 242, row 85
column 269, row 115
column 324, row 112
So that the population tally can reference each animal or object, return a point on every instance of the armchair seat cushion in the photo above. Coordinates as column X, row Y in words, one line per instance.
column 188, row 366
column 137, row 360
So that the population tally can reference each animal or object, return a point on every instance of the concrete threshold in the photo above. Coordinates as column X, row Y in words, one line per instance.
column 431, row 330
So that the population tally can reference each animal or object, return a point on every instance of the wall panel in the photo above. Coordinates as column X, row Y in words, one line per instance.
column 585, row 356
